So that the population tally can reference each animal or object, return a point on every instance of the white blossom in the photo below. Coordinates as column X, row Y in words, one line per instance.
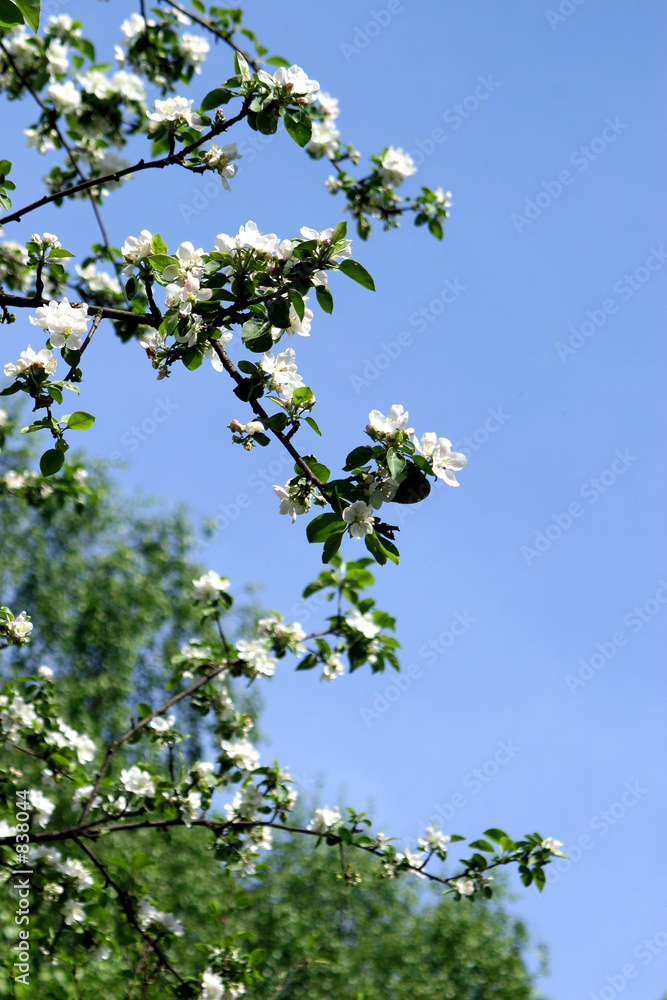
column 73, row 869
column 40, row 139
column 148, row 914
column 324, row 139
column 381, row 490
column 73, row 911
column 29, row 359
column 433, row 840
column 162, row 723
column 359, row 518
column 363, row 624
column 174, row 111
column 19, row 628
column 135, row 249
column 129, row 85
column 65, row 96
column 42, row 806
column 325, row 819
column 291, row 501
column 221, row 158
column 66, row 324
column 208, row 586
column 204, row 771
column 194, row 49
column 293, row 79
column 282, row 370
column 289, row 635
column 242, row 752
column 333, row 667
column 256, row 654
column 6, row 830
column 300, row 326
column 552, row 845
column 248, row 237
column 133, row 27
column 191, row 807
column 184, row 297
column 190, row 264
column 391, row 425
column 138, row 782
column 98, row 281
column 210, row 353
column 396, row 165
column 245, row 804
column 328, row 104
column 96, row 82
column 444, row 461
column 56, row 56
column 464, row 887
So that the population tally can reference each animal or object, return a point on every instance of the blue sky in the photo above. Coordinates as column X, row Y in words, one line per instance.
column 539, row 341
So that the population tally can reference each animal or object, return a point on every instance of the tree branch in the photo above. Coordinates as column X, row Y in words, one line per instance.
column 214, row 31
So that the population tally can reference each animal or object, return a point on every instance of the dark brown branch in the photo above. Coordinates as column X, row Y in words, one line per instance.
column 164, row 161
column 106, row 312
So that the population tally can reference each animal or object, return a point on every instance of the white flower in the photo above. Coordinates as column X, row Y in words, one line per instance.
column 98, row 281
column 464, row 887
column 73, row 911
column 136, row 248
column 328, row 104
column 39, row 139
column 433, row 840
column 363, row 624
column 66, row 324
column 552, row 845
column 332, row 184
column 294, row 80
column 102, row 953
column 333, row 667
column 191, row 807
column 325, row 819
column 290, row 502
column 29, row 359
column 20, row 628
column 256, row 654
column 133, row 27
column 6, row 830
column 148, row 914
column 19, row 712
column 129, row 85
column 221, row 158
column 184, row 297
column 396, row 166
column 359, row 517
column 282, row 369
column 325, row 236
column 194, row 50
column 75, row 870
column 242, row 752
column 213, row 987
column 245, row 804
column 138, row 782
column 443, row 197
column 300, row 326
column 208, row 586
column 190, row 263
column 324, row 140
column 285, row 634
column 249, row 237
column 85, row 749
column 96, row 82
column 392, row 424
column 175, row 111
column 443, row 459
column 42, row 806
column 56, row 56
column 65, row 96
column 162, row 723
column 224, row 338
column 204, row 771
column 83, row 794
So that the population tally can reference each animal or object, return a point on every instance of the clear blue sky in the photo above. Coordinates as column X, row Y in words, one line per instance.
column 578, row 95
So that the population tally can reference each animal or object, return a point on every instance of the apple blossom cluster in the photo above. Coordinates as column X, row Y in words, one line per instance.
column 15, row 630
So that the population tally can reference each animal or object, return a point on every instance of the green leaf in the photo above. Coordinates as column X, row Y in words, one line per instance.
column 278, row 61
column 325, row 298
column 339, row 233
column 11, row 389
column 391, row 550
column 143, row 709
column 297, row 302
column 414, row 488
column 323, row 525
column 80, row 421
column 278, row 311
column 30, row 10
column 266, row 121
column 51, row 462
column 332, row 545
column 375, row 548
column 299, row 126
column 55, row 394
column 60, row 253
column 215, row 98
column 308, row 662
column 353, row 269
column 161, row 260
column 358, row 457
column 247, row 367
column 482, row 845
column 256, row 335
column 436, row 228
column 10, row 14
column 396, row 462
column 302, row 395
column 495, row 834
column 241, row 67
column 158, row 245
column 192, row 359
column 313, row 424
